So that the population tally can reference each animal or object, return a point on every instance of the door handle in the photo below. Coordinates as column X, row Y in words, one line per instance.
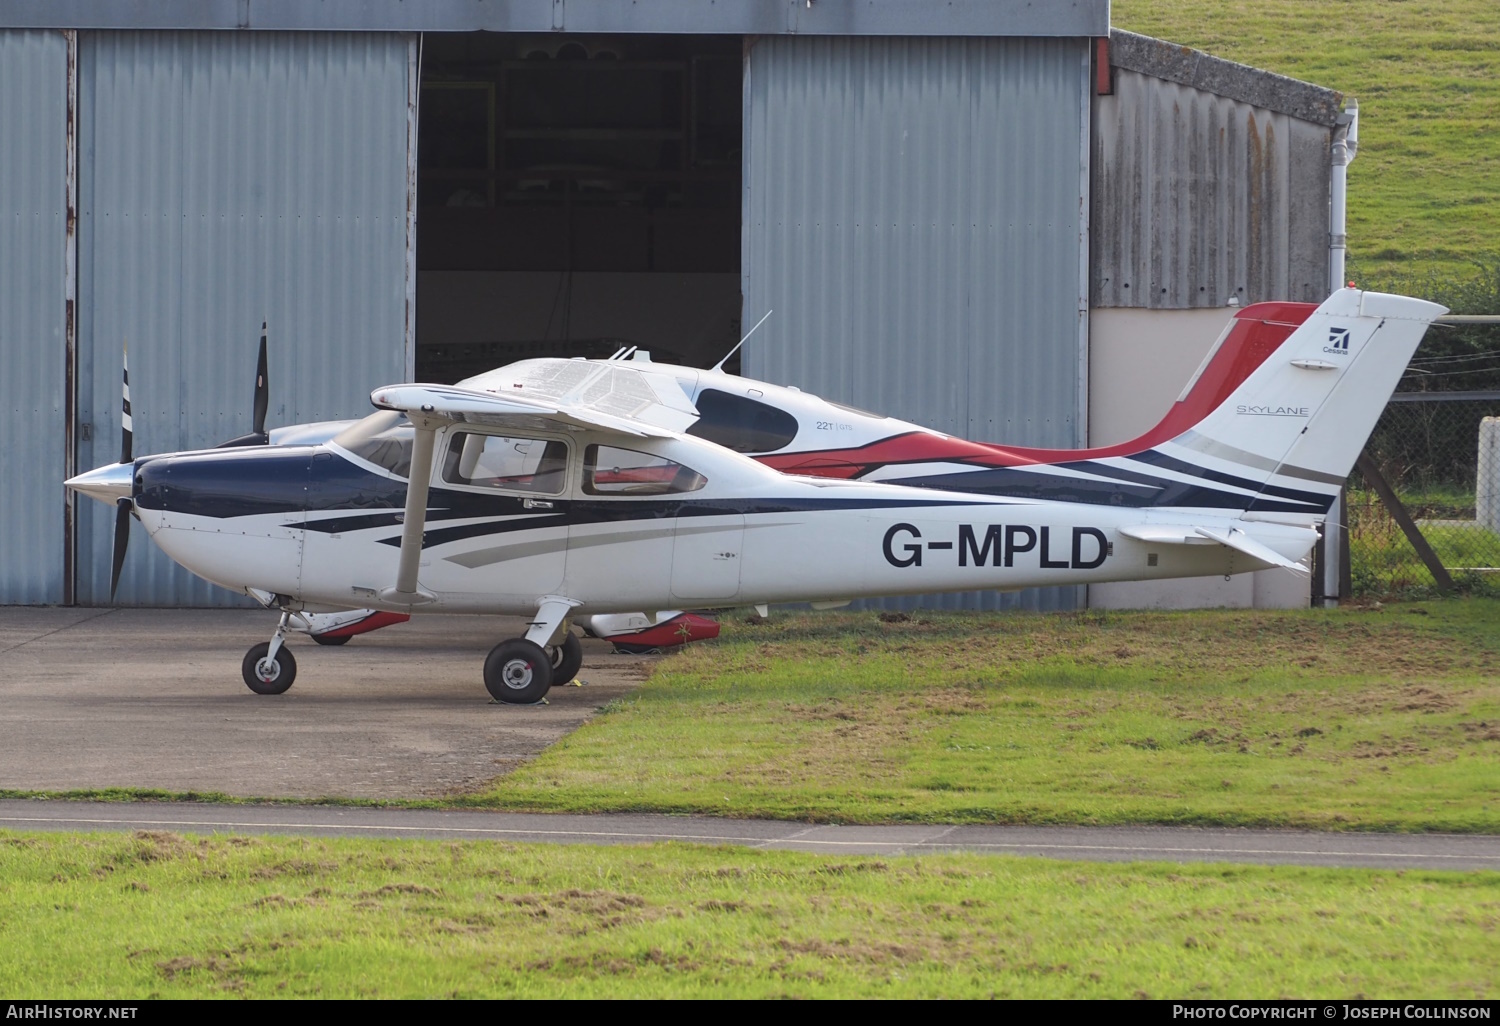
column 535, row 504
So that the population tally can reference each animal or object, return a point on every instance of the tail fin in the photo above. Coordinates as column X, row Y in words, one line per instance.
column 1292, row 430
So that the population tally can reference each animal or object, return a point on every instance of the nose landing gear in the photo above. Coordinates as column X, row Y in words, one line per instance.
column 269, row 668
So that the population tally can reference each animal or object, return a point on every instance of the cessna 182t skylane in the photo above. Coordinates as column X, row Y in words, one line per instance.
column 566, row 488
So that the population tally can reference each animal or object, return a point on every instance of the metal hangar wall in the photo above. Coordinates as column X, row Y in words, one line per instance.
column 915, row 185
column 916, row 216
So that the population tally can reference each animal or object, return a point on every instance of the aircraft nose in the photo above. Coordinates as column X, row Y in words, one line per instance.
column 108, row 483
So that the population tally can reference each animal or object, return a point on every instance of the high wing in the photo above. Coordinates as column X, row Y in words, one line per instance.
column 548, row 396
column 556, row 394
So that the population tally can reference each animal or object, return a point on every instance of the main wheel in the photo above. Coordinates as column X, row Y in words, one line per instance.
column 338, row 639
column 567, row 658
column 518, row 672
column 268, row 676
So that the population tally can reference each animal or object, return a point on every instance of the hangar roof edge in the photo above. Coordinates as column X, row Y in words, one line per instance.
column 677, row 17
column 1186, row 66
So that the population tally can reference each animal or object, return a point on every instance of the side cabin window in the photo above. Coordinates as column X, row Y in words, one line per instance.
column 502, row 461
column 740, row 423
column 384, row 439
column 611, row 471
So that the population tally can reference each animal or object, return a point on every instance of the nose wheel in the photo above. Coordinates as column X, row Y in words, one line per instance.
column 267, row 674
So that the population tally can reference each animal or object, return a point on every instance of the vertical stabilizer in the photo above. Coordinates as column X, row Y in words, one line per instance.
column 1290, row 433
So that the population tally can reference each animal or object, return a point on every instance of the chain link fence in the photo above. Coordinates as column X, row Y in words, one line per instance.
column 1436, row 529
column 1440, row 454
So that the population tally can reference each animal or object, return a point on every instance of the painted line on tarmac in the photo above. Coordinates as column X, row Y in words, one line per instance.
column 758, row 842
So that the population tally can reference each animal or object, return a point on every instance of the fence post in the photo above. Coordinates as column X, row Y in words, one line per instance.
column 1330, row 549
column 1408, row 526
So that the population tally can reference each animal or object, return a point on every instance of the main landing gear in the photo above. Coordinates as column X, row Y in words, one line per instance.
column 521, row 671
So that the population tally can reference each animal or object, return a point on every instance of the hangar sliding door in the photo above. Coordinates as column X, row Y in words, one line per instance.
column 34, row 285
column 915, row 215
column 228, row 179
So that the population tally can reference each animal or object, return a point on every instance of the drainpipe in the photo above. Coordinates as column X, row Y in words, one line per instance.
column 1345, row 146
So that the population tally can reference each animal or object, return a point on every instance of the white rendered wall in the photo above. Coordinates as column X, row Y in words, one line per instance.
column 1139, row 361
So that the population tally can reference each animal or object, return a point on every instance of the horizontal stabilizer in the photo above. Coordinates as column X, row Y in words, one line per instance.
column 1165, row 534
column 1242, row 542
column 1233, row 537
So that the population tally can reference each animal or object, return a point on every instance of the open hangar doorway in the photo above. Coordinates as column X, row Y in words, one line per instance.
column 576, row 194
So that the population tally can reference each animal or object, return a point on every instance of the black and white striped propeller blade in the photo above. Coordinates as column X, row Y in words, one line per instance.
column 123, row 505
column 127, row 429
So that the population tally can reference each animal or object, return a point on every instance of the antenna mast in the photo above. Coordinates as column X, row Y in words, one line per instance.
column 721, row 363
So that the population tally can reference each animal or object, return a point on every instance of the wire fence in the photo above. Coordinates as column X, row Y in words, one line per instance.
column 1440, row 454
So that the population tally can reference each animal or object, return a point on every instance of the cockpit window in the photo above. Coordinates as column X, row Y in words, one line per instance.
column 498, row 461
column 611, row 471
column 741, row 423
column 384, row 438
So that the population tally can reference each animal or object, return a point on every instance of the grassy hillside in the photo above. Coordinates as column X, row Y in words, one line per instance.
column 1423, row 191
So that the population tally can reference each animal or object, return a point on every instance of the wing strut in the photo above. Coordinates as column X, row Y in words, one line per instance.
column 406, row 591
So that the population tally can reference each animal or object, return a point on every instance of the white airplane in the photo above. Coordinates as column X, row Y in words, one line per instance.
column 797, row 432
column 557, row 489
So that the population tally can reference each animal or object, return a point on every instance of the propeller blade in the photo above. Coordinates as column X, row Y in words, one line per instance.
column 127, row 431
column 262, row 388
column 122, row 539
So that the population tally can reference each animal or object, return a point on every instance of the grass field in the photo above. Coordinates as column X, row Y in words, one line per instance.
column 160, row 915
column 1375, row 719
column 1422, row 191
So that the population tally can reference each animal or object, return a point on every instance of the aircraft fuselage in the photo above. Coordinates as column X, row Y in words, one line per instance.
column 319, row 527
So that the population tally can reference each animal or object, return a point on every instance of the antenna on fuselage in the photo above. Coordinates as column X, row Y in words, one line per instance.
column 721, row 363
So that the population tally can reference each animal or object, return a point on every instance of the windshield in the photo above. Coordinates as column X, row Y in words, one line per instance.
column 384, row 438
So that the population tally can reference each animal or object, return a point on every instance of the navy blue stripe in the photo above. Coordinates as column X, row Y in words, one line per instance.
column 1318, row 500
column 567, row 514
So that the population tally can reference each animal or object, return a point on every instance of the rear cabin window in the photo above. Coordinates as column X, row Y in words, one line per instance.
column 501, row 461
column 384, row 439
column 611, row 471
column 742, row 424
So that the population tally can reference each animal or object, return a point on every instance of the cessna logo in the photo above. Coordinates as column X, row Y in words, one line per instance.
column 999, row 545
column 1338, row 342
column 1272, row 411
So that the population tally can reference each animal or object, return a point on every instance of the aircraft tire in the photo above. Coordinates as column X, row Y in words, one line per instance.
column 567, row 658
column 518, row 672
column 285, row 670
column 324, row 639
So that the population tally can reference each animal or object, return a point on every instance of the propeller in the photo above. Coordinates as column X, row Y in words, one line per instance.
column 124, row 504
column 112, row 483
column 122, row 540
column 257, row 435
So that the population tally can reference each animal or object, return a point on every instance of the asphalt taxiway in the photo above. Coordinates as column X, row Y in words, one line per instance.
column 153, row 698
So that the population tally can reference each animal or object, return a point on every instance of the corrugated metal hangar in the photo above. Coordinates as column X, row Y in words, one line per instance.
column 961, row 213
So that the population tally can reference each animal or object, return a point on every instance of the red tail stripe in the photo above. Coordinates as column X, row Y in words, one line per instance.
column 1257, row 332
